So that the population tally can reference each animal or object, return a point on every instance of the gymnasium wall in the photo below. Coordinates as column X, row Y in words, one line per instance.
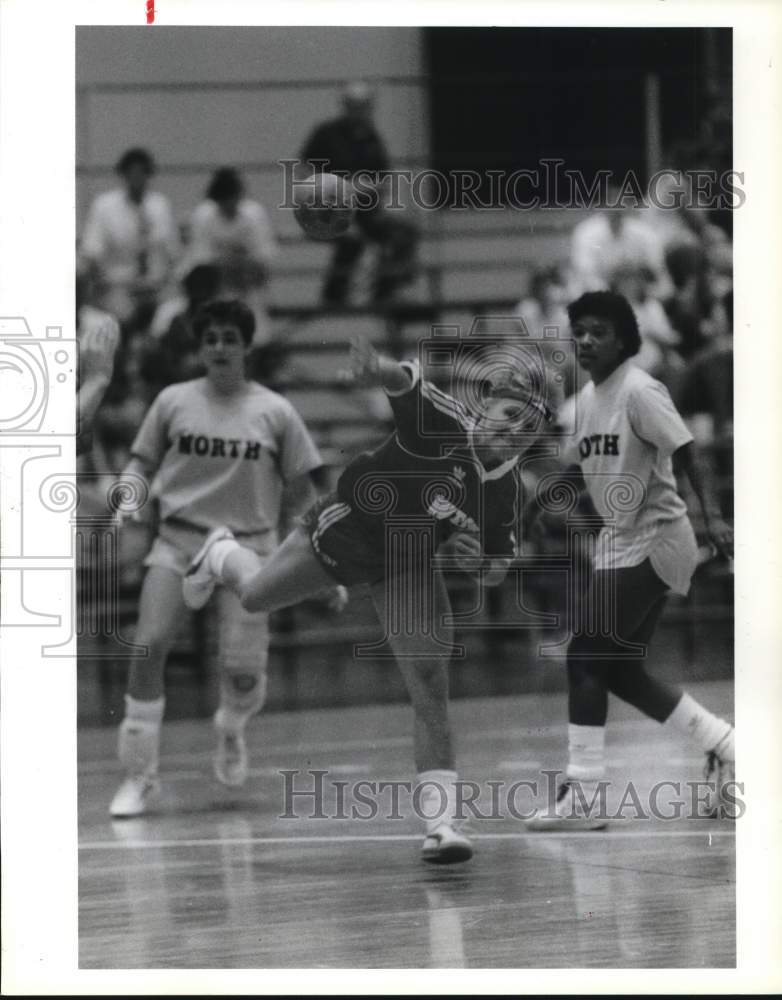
column 200, row 98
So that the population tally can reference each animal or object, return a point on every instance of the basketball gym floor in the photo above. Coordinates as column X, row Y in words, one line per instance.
column 217, row 878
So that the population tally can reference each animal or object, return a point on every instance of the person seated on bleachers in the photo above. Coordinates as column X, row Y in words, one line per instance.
column 544, row 307
column 347, row 145
column 699, row 259
column 707, row 387
column 614, row 238
column 706, row 398
column 545, row 303
column 659, row 341
column 233, row 232
column 171, row 353
column 130, row 243
column 126, row 402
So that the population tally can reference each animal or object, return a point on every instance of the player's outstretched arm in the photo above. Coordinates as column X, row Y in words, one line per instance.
column 369, row 367
column 687, row 462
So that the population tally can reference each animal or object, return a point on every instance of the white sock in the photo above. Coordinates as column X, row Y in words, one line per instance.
column 437, row 802
column 704, row 729
column 139, row 735
column 219, row 552
column 586, row 752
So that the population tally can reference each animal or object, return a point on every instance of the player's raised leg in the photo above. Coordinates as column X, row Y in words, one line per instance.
column 423, row 655
column 160, row 613
column 290, row 575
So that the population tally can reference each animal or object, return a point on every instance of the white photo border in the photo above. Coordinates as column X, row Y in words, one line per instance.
column 38, row 696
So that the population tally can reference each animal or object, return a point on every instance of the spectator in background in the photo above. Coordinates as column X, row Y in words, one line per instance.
column 347, row 145
column 233, row 233
column 698, row 257
column 691, row 298
column 707, row 389
column 544, row 307
column 545, row 304
column 616, row 238
column 706, row 398
column 658, row 354
column 127, row 400
column 98, row 336
column 130, row 243
column 173, row 353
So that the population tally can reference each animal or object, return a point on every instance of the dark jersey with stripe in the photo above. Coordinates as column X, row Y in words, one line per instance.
column 427, row 472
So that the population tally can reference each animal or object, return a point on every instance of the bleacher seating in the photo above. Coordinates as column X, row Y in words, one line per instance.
column 475, row 264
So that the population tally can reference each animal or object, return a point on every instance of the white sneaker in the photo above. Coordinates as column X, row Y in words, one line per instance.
column 134, row 796
column 231, row 764
column 200, row 581
column 569, row 812
column 446, row 845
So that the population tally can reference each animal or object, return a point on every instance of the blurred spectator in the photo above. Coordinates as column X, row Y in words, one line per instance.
column 233, row 232
column 707, row 389
column 346, row 145
column 659, row 341
column 172, row 354
column 616, row 238
column 706, row 399
column 130, row 242
column 698, row 257
column 545, row 304
column 692, row 295
column 98, row 336
column 544, row 308
column 124, row 406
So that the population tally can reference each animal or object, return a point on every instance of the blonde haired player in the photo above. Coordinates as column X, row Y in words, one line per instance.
column 464, row 492
column 630, row 443
column 217, row 450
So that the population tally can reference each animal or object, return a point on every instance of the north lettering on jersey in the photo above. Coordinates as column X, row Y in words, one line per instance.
column 216, row 447
column 599, row 444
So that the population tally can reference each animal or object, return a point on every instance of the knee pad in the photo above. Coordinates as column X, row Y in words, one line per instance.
column 243, row 694
column 240, row 646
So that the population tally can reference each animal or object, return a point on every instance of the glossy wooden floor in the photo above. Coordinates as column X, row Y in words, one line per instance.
column 215, row 879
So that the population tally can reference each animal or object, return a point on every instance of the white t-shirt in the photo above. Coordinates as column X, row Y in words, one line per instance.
column 213, row 237
column 223, row 460
column 119, row 234
column 626, row 430
column 597, row 252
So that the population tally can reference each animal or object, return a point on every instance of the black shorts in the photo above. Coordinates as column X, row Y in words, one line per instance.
column 342, row 543
column 618, row 614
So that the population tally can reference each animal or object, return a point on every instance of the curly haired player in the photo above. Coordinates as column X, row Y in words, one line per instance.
column 628, row 432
